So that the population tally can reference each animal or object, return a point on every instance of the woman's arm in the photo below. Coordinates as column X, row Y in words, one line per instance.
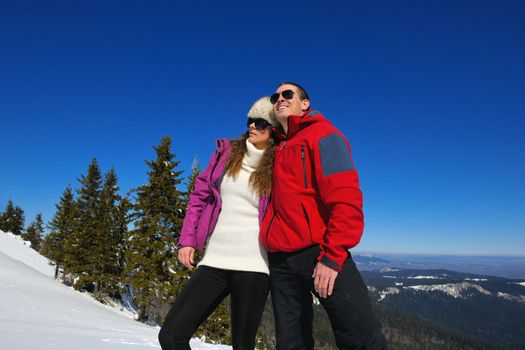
column 196, row 203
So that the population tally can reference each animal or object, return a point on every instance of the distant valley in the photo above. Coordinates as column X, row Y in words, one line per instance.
column 476, row 306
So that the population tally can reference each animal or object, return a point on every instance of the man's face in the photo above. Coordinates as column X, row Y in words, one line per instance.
column 285, row 107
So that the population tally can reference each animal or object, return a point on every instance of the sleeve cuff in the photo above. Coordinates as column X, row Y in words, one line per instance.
column 330, row 263
column 187, row 243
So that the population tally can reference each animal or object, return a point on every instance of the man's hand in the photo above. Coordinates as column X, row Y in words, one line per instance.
column 186, row 255
column 324, row 279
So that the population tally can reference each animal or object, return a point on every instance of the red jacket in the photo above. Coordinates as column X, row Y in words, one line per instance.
column 315, row 192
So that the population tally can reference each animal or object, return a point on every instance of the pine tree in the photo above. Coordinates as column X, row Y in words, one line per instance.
column 122, row 218
column 80, row 246
column 108, row 257
column 2, row 222
column 18, row 222
column 190, row 183
column 13, row 219
column 35, row 232
column 62, row 227
column 152, row 268
column 7, row 216
column 217, row 327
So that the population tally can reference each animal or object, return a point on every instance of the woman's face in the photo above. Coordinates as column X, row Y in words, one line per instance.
column 258, row 138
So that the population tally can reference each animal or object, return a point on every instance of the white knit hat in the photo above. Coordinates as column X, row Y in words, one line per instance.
column 263, row 108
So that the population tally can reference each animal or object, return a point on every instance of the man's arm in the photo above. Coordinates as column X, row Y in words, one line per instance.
column 338, row 186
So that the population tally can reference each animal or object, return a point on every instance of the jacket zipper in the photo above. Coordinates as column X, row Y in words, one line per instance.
column 304, row 166
column 282, row 146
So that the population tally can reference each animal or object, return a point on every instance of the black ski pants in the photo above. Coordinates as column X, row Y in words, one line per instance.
column 348, row 308
column 204, row 291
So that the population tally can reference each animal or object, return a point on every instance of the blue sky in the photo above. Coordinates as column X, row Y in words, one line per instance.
column 431, row 95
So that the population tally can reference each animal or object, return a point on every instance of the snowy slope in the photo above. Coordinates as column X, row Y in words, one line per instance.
column 36, row 312
column 18, row 249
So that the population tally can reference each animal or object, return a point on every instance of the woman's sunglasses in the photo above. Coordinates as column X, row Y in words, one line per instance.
column 260, row 123
column 287, row 94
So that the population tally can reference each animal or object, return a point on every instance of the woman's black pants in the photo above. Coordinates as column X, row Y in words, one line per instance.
column 202, row 294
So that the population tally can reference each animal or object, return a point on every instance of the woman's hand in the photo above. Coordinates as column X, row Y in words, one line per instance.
column 186, row 255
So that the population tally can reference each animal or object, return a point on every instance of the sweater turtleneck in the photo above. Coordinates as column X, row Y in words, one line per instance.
column 253, row 156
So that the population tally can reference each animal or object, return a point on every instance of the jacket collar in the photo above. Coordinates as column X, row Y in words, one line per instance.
column 298, row 122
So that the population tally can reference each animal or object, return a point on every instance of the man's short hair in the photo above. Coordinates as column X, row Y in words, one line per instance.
column 303, row 95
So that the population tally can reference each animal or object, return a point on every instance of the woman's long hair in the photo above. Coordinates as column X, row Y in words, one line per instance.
column 261, row 178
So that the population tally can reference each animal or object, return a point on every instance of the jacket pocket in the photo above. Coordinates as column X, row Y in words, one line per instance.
column 268, row 232
column 316, row 225
column 307, row 218
column 205, row 221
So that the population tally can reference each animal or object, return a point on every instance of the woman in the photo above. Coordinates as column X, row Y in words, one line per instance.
column 225, row 210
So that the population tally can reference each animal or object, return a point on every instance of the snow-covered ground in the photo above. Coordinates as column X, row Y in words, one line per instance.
column 37, row 312
column 424, row 277
column 453, row 289
column 18, row 249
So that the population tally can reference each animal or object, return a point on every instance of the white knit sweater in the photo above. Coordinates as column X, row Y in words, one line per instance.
column 234, row 243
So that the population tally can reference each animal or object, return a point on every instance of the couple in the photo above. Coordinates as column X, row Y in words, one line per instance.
column 300, row 237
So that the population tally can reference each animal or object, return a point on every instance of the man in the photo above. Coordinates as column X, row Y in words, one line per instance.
column 314, row 218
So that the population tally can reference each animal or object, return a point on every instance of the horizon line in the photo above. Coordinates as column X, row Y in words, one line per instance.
column 440, row 254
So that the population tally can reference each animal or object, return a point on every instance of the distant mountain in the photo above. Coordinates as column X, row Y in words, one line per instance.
column 474, row 305
column 488, row 308
column 503, row 266
column 368, row 262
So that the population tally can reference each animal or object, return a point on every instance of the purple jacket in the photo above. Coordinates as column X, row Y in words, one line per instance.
column 205, row 202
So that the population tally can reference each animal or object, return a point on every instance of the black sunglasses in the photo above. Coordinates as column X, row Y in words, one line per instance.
column 287, row 94
column 260, row 123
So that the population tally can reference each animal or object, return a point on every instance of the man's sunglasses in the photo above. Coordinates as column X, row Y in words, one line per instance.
column 260, row 123
column 287, row 94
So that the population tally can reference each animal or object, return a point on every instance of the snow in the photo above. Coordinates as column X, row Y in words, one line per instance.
column 521, row 284
column 416, row 277
column 15, row 247
column 518, row 298
column 476, row 279
column 453, row 289
column 388, row 269
column 37, row 312
column 388, row 291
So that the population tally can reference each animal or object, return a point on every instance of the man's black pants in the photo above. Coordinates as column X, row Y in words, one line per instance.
column 349, row 308
column 202, row 294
